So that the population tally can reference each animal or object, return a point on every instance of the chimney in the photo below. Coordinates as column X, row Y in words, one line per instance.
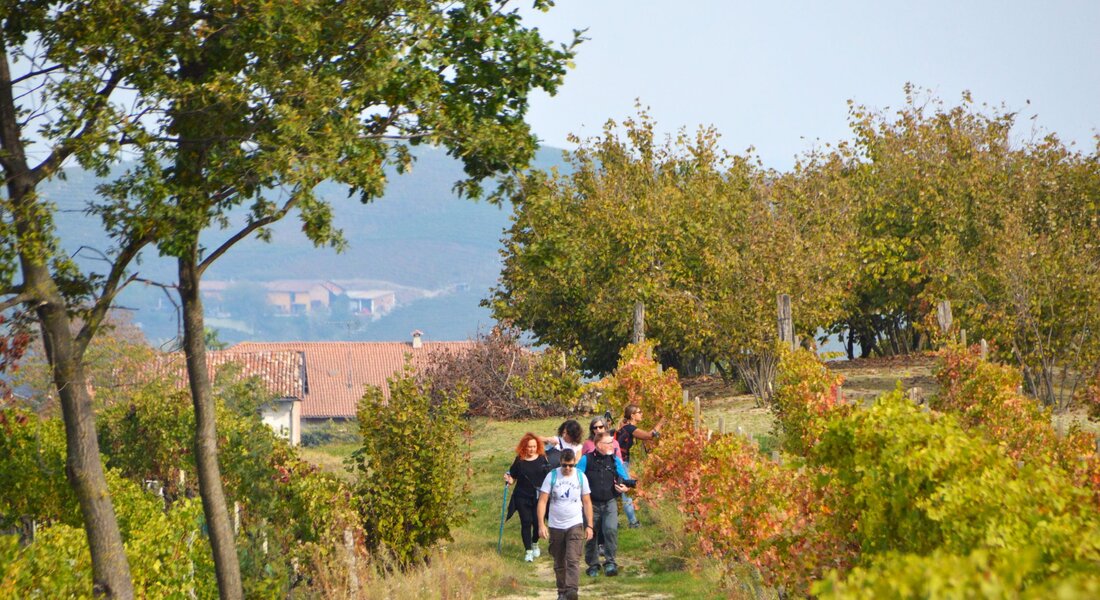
column 416, row 339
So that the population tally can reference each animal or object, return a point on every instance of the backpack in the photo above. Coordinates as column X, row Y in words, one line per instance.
column 602, row 476
column 553, row 455
column 554, row 479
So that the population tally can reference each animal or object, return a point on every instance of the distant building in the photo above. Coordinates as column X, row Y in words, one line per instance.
column 301, row 297
column 338, row 372
column 371, row 303
column 304, row 297
column 282, row 373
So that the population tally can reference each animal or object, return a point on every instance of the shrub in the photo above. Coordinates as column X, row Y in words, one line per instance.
column 985, row 397
column 638, row 379
column 505, row 380
column 805, row 398
column 412, row 478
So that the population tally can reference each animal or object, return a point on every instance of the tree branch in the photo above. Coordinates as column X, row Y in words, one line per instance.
column 245, row 232
column 52, row 162
column 111, row 287
column 19, row 298
column 33, row 74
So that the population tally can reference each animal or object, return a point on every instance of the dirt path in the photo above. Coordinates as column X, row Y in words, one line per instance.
column 541, row 582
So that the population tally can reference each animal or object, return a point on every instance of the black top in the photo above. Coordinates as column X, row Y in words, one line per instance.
column 529, row 475
column 625, row 435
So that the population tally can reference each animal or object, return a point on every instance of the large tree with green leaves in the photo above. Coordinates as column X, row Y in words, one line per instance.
column 60, row 98
column 705, row 239
column 256, row 103
column 235, row 103
column 954, row 202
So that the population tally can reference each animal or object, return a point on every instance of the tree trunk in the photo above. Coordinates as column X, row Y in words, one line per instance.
column 83, row 466
column 214, row 507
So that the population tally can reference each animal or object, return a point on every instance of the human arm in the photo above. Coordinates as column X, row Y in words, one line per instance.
column 586, row 501
column 512, row 473
column 540, row 513
column 620, row 469
column 582, row 463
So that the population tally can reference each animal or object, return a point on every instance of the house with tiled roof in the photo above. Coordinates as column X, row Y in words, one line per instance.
column 281, row 372
column 338, row 372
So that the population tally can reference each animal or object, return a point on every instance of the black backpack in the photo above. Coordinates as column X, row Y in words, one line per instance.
column 553, row 455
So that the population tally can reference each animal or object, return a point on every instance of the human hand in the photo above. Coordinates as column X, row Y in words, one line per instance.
column 622, row 489
column 544, row 533
column 508, row 479
column 588, row 533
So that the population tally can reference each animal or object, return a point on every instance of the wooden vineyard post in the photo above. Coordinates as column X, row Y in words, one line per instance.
column 639, row 323
column 943, row 316
column 785, row 320
column 984, row 349
column 698, row 415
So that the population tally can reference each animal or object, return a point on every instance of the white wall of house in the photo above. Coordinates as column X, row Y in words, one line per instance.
column 284, row 417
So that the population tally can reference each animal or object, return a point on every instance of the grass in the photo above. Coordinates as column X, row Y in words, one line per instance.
column 655, row 561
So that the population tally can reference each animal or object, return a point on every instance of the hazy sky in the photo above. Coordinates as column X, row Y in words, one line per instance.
column 777, row 74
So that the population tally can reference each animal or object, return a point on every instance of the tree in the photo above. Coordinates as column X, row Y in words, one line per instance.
column 233, row 101
column 949, row 205
column 705, row 239
column 255, row 99
column 64, row 92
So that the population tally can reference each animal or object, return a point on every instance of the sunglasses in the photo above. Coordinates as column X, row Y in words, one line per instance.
column 568, row 465
column 599, row 427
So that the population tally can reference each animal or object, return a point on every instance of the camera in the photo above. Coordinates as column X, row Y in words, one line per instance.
column 630, row 483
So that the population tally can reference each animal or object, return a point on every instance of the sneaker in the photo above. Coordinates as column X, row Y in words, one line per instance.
column 530, row 556
column 635, row 525
column 535, row 551
column 610, row 570
column 593, row 571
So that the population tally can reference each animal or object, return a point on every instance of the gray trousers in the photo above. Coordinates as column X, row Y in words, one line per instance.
column 565, row 547
column 606, row 517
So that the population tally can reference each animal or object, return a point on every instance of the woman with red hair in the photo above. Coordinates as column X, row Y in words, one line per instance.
column 527, row 472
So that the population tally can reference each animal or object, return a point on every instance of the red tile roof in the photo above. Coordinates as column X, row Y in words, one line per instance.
column 337, row 372
column 282, row 372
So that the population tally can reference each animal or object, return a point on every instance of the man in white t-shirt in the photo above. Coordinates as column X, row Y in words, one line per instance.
column 566, row 491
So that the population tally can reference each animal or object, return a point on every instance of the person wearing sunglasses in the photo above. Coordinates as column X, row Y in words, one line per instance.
column 598, row 425
column 608, row 479
column 567, row 499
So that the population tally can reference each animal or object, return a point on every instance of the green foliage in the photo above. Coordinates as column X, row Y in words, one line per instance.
column 32, row 467
column 284, row 501
column 412, row 478
column 167, row 555
column 804, row 400
column 703, row 238
column 942, row 575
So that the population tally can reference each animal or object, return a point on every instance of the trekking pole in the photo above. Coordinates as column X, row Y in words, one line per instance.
column 503, row 507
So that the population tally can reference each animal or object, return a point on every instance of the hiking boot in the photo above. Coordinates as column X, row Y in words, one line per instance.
column 535, row 551
column 593, row 571
column 530, row 556
column 610, row 570
column 635, row 525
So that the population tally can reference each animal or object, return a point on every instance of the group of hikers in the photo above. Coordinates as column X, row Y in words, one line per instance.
column 566, row 490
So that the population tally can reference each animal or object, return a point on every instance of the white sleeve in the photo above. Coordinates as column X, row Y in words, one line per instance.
column 546, row 484
column 585, row 490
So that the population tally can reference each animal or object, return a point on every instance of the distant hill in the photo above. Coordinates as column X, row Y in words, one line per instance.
column 418, row 235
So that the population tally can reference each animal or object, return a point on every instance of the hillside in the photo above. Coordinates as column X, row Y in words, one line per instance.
column 419, row 235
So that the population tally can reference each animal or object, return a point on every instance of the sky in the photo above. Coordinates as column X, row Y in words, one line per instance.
column 777, row 75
